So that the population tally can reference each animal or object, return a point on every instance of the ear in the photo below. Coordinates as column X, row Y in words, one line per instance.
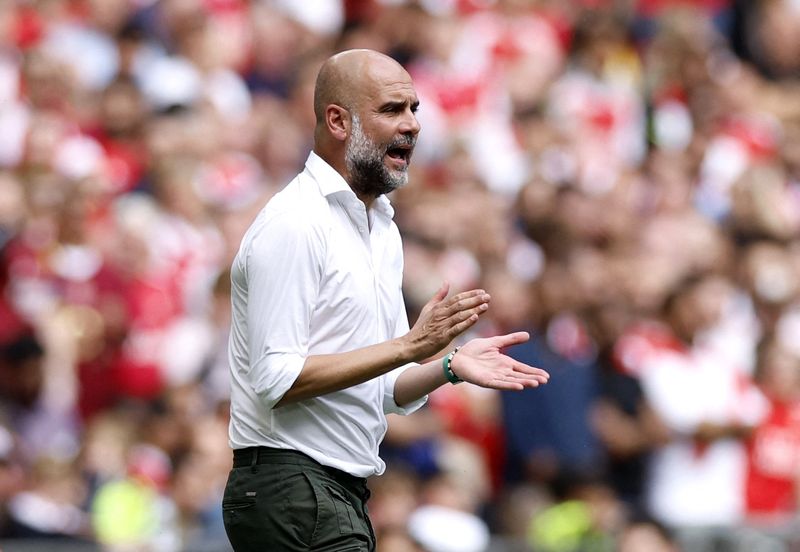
column 337, row 119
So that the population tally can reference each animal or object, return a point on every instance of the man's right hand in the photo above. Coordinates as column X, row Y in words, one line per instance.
column 442, row 319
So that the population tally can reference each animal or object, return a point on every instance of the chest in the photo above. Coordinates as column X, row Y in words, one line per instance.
column 361, row 284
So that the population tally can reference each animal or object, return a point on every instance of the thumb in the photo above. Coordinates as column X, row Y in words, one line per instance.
column 503, row 341
column 442, row 292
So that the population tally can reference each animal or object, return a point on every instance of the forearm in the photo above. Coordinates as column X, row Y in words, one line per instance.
column 322, row 374
column 417, row 381
column 708, row 431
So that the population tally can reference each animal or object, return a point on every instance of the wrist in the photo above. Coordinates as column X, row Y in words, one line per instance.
column 405, row 351
column 447, row 367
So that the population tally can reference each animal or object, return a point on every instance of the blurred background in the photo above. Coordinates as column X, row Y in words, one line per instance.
column 622, row 176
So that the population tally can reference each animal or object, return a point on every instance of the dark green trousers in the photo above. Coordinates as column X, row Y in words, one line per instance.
column 281, row 500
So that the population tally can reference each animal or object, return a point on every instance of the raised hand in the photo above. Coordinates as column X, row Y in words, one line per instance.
column 482, row 363
column 443, row 319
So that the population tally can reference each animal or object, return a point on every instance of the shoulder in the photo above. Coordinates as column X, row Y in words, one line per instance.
column 300, row 198
column 394, row 232
column 297, row 214
column 298, row 207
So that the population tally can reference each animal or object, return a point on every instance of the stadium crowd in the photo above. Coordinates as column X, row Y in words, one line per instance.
column 623, row 177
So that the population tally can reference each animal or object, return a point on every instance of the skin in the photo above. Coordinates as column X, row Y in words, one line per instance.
column 380, row 94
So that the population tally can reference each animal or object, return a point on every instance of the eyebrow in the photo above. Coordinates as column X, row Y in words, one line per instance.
column 398, row 105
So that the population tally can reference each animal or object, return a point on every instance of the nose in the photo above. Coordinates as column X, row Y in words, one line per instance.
column 410, row 124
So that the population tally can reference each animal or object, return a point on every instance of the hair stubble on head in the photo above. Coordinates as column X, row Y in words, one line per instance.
column 343, row 79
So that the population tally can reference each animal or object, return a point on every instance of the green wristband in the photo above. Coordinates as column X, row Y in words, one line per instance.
column 448, row 370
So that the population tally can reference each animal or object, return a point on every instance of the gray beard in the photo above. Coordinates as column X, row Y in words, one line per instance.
column 363, row 158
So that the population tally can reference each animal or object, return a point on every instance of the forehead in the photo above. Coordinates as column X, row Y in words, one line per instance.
column 388, row 82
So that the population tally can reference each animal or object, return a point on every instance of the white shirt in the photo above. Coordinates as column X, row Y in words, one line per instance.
column 693, row 485
column 314, row 275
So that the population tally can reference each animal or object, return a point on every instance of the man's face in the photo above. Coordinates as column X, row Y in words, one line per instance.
column 379, row 148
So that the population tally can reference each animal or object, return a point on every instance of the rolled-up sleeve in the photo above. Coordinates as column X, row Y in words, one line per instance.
column 284, row 273
column 390, row 406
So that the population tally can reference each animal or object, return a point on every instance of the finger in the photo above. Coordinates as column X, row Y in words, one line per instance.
column 502, row 341
column 467, row 300
column 466, row 295
column 538, row 373
column 444, row 289
column 505, row 385
column 438, row 297
column 463, row 326
column 460, row 316
column 525, row 380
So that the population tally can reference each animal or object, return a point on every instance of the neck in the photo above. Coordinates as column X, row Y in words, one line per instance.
column 339, row 165
column 367, row 200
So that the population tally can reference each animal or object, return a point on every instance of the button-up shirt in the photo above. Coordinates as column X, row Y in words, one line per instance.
column 316, row 273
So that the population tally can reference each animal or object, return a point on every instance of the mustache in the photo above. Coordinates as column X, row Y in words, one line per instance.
column 404, row 140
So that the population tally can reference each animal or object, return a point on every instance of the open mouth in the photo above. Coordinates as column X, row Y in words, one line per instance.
column 400, row 154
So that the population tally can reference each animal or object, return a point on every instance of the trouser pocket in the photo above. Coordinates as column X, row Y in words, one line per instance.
column 272, row 509
column 339, row 525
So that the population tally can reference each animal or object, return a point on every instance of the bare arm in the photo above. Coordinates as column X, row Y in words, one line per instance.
column 441, row 320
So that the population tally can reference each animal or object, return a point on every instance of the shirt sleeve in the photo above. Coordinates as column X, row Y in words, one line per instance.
column 284, row 273
column 390, row 406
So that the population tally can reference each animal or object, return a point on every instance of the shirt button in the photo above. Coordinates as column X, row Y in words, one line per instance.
column 361, row 229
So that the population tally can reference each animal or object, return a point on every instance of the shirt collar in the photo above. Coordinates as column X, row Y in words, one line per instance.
column 331, row 182
column 327, row 178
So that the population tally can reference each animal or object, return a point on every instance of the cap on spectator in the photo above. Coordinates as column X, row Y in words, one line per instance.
column 169, row 82
column 91, row 54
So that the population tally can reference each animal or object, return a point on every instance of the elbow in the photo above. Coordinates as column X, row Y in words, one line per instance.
column 287, row 399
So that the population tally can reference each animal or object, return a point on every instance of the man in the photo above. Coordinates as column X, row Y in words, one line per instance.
column 320, row 348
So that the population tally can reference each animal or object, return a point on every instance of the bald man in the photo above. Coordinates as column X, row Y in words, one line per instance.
column 320, row 347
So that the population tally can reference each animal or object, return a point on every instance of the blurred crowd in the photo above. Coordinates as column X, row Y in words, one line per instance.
column 622, row 176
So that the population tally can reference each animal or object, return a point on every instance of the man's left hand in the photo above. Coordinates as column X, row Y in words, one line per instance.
column 482, row 363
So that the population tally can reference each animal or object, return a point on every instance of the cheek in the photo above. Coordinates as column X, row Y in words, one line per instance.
column 380, row 132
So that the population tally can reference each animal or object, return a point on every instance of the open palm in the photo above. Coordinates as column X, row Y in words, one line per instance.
column 482, row 363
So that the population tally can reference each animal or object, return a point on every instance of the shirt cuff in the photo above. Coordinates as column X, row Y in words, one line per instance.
column 275, row 373
column 389, row 404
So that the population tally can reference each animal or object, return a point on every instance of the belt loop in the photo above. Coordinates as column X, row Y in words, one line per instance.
column 254, row 461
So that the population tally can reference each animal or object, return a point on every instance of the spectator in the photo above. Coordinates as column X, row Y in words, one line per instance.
column 771, row 486
column 697, row 478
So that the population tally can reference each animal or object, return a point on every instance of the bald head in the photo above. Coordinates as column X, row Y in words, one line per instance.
column 346, row 78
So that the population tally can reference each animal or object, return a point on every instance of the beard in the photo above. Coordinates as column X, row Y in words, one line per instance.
column 369, row 175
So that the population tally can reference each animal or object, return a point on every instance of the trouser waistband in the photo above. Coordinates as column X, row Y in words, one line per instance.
column 253, row 456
